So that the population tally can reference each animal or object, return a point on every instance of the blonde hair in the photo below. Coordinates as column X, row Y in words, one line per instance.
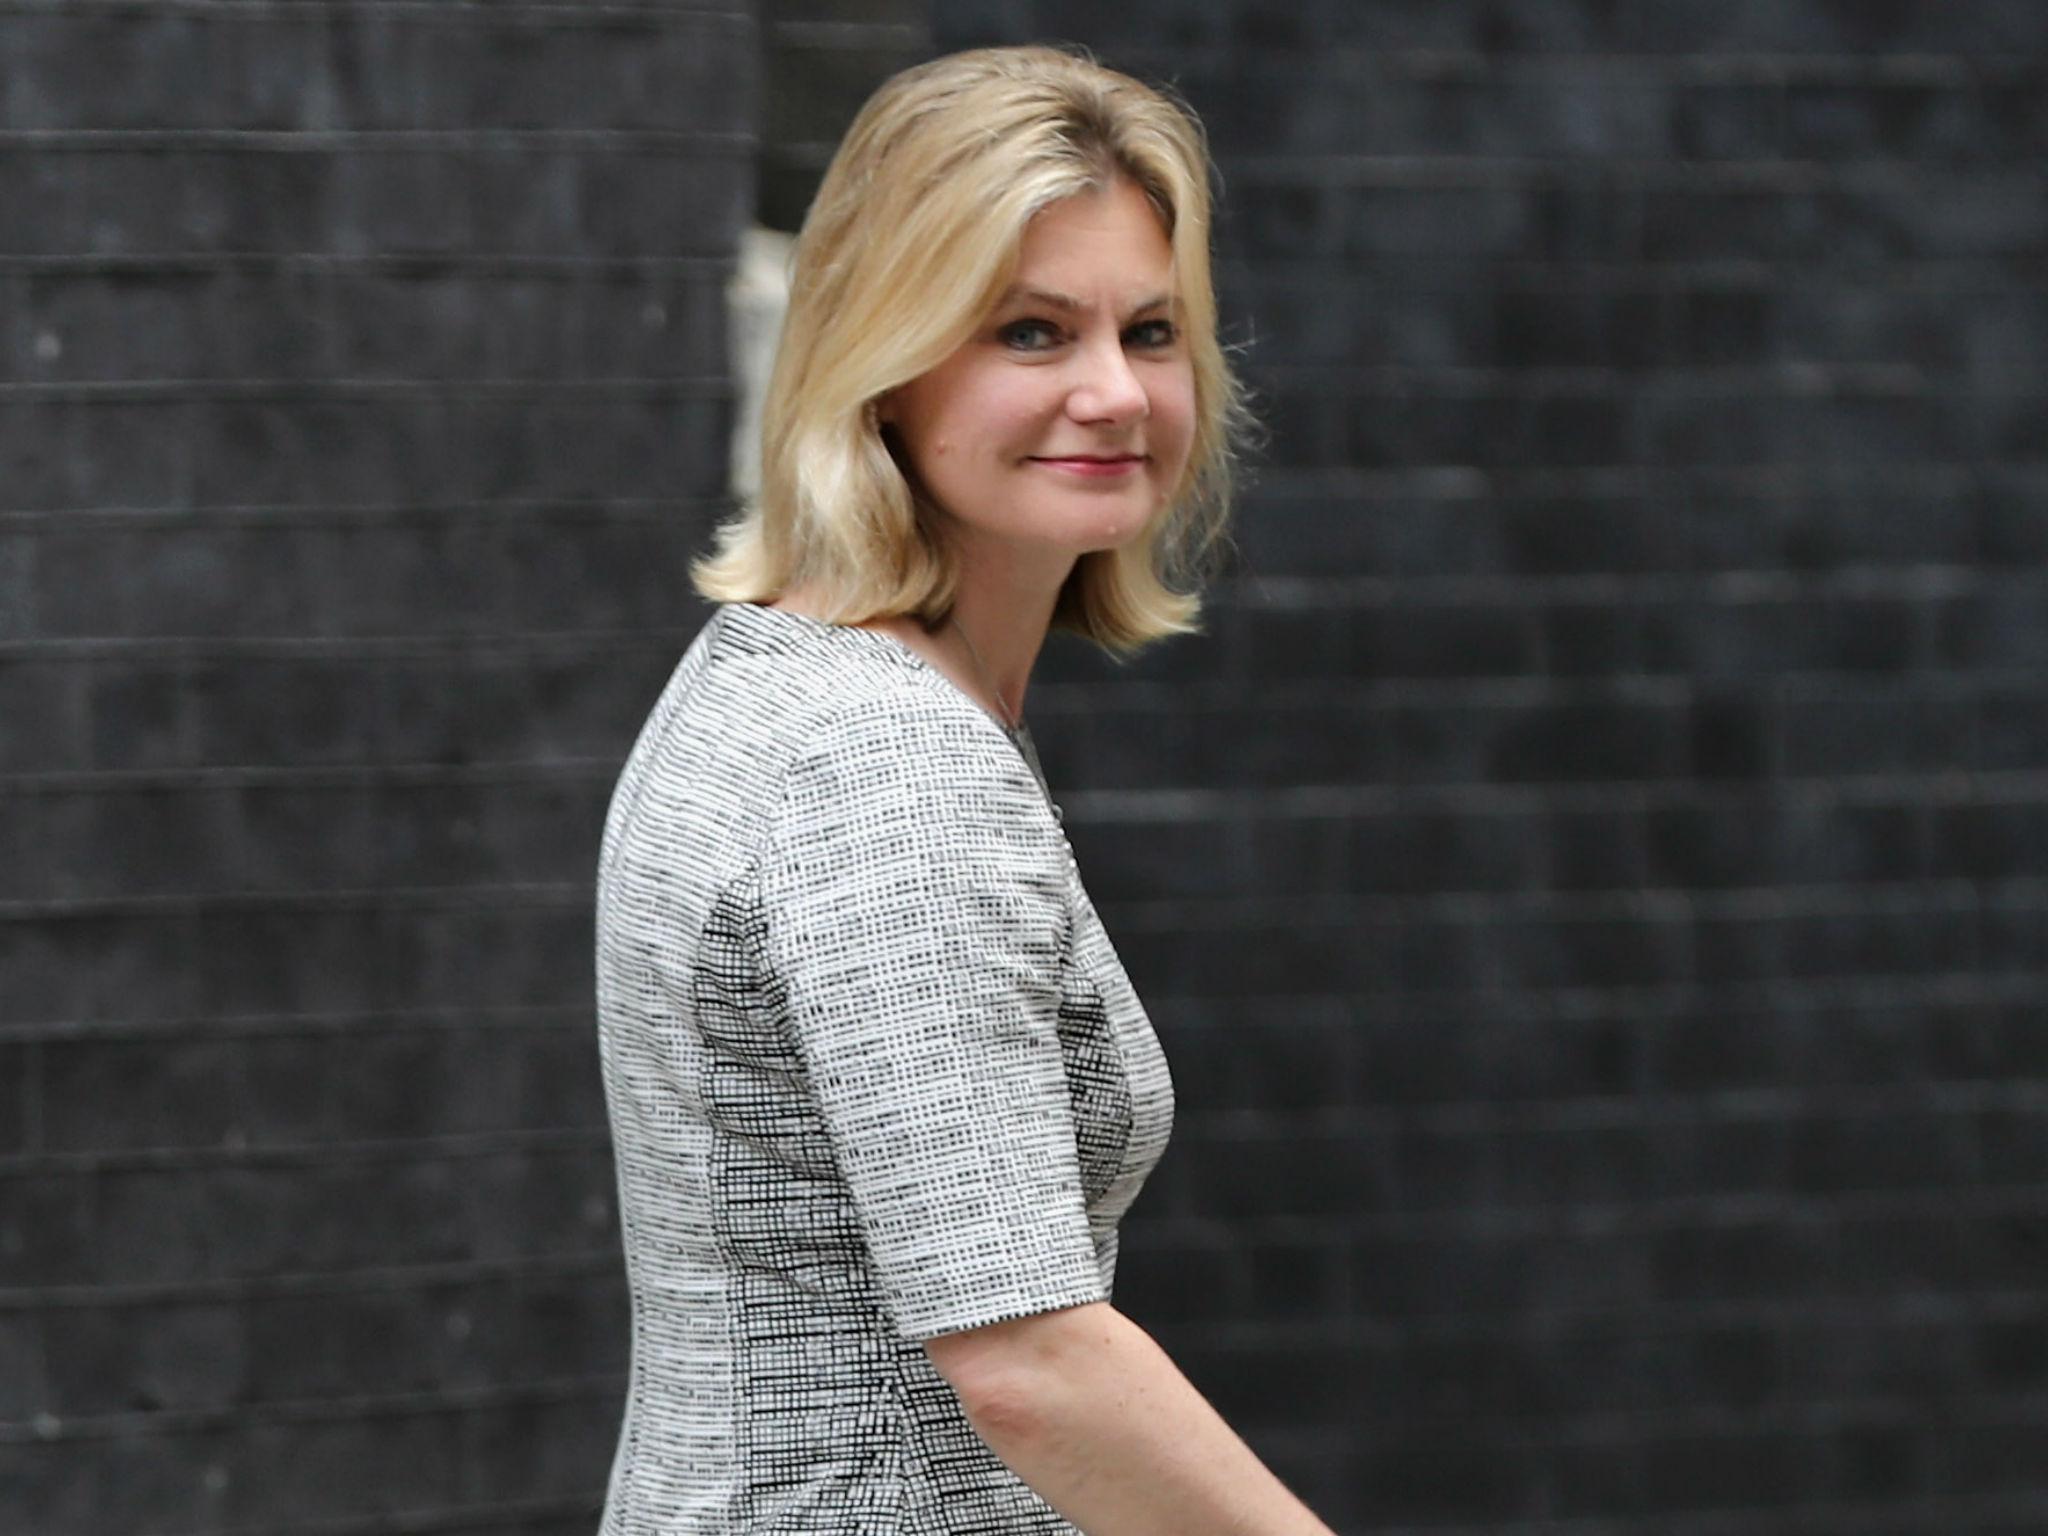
column 914, row 234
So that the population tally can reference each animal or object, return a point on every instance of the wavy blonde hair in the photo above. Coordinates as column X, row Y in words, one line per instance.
column 913, row 236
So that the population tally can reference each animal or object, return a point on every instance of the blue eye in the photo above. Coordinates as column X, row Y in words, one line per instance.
column 1154, row 333
column 1029, row 335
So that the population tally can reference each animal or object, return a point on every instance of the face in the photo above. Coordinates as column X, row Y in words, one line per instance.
column 1063, row 424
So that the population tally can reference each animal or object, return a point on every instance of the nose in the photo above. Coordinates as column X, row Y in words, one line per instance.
column 1106, row 388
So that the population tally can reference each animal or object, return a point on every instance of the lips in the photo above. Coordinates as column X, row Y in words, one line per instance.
column 1094, row 467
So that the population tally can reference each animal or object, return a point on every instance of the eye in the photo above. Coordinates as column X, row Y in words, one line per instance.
column 1029, row 335
column 1153, row 334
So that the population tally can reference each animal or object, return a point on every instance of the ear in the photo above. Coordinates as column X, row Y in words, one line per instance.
column 882, row 409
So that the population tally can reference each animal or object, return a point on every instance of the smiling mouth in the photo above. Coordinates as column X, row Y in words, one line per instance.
column 1090, row 467
column 1089, row 458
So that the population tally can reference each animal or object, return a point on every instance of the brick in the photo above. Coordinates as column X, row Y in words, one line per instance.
column 113, row 1484
column 679, row 72
column 265, row 710
column 102, row 326
column 26, row 848
column 1820, row 844
column 1732, row 736
column 1573, row 328
column 1388, row 537
column 1140, row 860
column 1969, row 1044
column 1729, row 120
column 21, row 1089
column 114, row 70
column 981, row 23
column 1572, row 536
column 1277, row 746
column 492, row 957
column 1307, row 641
column 1830, row 1155
column 671, row 205
column 463, row 833
column 135, row 1360
column 1997, row 841
column 1873, row 733
column 106, row 1095
column 1882, row 942
column 22, row 1389
column 1430, row 221
column 1596, row 850
column 1987, row 212
column 2011, row 1355
column 486, row 708
column 1183, row 1279
column 1273, row 1389
column 1573, row 743
column 1426, row 640
column 430, row 574
column 1435, row 743
column 1713, row 224
column 1708, row 843
column 543, row 1450
column 1282, row 1067
column 31, row 437
column 323, row 448
column 407, row 1214
column 811, row 93
column 594, row 446
column 1300, row 1175
column 1265, row 958
column 1469, row 1054
column 283, row 1466
column 328, row 1345
column 652, row 324
column 135, row 966
column 535, row 1329
column 1591, row 952
column 1418, row 852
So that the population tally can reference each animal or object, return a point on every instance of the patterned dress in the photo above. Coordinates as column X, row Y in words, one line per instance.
column 874, row 1074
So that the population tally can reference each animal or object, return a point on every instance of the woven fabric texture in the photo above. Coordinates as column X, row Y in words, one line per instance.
column 874, row 1074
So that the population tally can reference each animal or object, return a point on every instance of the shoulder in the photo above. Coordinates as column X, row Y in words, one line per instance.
column 917, row 743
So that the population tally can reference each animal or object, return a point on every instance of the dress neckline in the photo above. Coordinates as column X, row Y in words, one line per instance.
column 1019, row 735
column 895, row 647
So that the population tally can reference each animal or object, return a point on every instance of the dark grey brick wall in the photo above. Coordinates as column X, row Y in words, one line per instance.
column 820, row 60
column 1592, row 880
column 362, row 399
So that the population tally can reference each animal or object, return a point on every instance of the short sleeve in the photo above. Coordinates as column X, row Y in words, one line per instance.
column 914, row 897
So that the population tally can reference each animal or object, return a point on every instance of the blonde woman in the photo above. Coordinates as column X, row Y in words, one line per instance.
column 880, row 1090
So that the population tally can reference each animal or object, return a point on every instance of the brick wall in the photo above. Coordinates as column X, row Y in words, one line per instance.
column 1592, row 880
column 820, row 59
column 362, row 399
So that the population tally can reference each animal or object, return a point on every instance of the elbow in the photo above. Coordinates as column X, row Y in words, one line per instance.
column 994, row 1383
column 1003, row 1407
column 1008, row 1375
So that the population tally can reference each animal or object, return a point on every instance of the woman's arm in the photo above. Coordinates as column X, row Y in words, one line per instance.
column 1088, row 1410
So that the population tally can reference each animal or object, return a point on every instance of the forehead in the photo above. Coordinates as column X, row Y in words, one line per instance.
column 1108, row 239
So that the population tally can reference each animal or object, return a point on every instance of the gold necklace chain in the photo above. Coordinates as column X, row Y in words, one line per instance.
column 1010, row 717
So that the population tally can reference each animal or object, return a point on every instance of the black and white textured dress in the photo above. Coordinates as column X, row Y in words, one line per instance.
column 874, row 1074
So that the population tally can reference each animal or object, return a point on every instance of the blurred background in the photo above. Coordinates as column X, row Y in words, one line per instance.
column 1591, row 879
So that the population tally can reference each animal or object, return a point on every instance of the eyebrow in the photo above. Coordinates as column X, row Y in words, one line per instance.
column 1072, row 306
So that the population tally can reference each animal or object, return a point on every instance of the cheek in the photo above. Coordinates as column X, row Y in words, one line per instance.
column 1173, row 411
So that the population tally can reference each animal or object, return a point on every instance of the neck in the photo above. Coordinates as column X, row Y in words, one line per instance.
column 1002, row 621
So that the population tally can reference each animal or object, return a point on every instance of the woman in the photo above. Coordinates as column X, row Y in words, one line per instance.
column 880, row 1090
